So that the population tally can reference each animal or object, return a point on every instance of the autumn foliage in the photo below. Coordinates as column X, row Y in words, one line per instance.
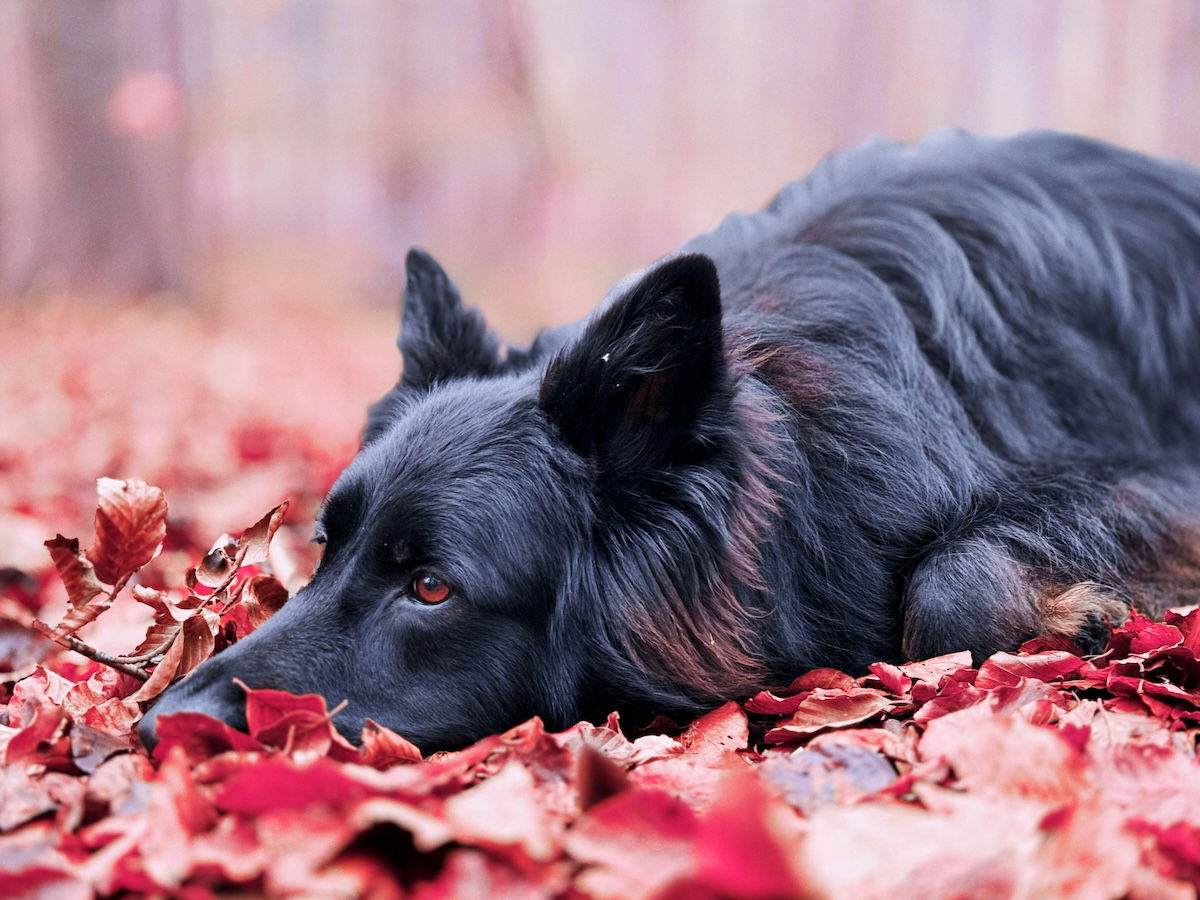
column 1040, row 773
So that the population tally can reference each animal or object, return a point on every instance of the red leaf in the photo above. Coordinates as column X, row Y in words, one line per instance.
column 892, row 678
column 932, row 671
column 155, row 848
column 200, row 736
column 524, row 825
column 102, row 732
column 194, row 644
column 22, row 797
column 1177, row 849
column 117, row 779
column 1189, row 626
column 795, row 693
column 829, row 679
column 76, row 570
column 101, row 686
column 746, row 842
column 771, row 704
column 41, row 690
column 260, row 598
column 255, row 540
column 1008, row 669
column 828, row 709
column 165, row 626
column 1086, row 851
column 40, row 743
column 79, row 616
column 382, row 748
column 1156, row 784
column 263, row 596
column 715, row 736
column 297, row 723
column 953, row 696
column 131, row 524
column 40, row 882
column 217, row 566
column 1005, row 754
column 1155, row 636
column 79, row 577
column 276, row 783
column 633, row 844
column 265, row 708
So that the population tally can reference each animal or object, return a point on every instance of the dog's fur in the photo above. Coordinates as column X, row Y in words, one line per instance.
column 933, row 398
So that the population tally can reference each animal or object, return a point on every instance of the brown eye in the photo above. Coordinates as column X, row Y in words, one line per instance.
column 430, row 589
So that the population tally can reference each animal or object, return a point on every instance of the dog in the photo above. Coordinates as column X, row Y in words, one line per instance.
column 931, row 398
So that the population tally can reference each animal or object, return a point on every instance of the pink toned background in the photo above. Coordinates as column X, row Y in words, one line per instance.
column 541, row 148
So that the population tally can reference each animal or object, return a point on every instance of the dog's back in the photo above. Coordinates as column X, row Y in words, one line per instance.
column 1049, row 282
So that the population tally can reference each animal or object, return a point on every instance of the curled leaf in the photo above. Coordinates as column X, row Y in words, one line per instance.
column 75, row 569
column 166, row 624
column 382, row 748
column 84, row 590
column 262, row 597
column 253, row 544
column 215, row 569
column 193, row 645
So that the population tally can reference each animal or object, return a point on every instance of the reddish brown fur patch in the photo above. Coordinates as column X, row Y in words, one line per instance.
column 1067, row 612
column 795, row 374
column 706, row 645
column 786, row 378
column 709, row 642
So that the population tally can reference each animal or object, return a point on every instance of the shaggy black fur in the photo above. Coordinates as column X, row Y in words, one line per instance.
column 931, row 398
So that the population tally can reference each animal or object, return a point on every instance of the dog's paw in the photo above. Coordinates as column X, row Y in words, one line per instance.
column 1084, row 613
column 1093, row 637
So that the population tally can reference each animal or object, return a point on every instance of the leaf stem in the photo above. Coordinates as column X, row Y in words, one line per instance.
column 73, row 643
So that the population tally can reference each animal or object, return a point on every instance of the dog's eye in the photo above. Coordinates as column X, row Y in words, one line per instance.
column 429, row 588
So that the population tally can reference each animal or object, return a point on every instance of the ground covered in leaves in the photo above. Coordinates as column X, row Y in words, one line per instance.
column 1039, row 773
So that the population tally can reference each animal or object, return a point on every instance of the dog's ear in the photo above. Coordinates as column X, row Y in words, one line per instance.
column 439, row 338
column 630, row 393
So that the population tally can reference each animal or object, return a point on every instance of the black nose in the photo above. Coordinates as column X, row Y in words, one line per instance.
column 210, row 691
column 146, row 729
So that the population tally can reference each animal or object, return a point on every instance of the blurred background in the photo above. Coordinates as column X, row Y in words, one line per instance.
column 204, row 207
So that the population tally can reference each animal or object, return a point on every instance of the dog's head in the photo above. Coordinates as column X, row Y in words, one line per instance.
column 509, row 519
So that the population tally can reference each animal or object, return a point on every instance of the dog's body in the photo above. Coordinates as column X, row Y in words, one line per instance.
column 943, row 397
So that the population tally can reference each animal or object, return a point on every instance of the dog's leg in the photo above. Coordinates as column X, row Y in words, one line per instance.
column 1063, row 555
column 971, row 594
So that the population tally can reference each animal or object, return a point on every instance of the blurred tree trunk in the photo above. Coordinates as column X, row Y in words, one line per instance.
column 109, row 210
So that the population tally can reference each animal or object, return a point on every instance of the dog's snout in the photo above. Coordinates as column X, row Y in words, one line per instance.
column 146, row 729
column 220, row 698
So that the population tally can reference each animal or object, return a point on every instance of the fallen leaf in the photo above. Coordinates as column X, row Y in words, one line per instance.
column 824, row 709
column 76, row 571
column 131, row 524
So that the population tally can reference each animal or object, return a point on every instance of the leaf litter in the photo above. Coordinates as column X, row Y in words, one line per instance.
column 1038, row 773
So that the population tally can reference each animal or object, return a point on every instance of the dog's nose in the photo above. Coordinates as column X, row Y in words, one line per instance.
column 146, row 729
column 217, row 697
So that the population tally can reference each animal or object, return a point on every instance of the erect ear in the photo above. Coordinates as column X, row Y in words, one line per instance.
column 440, row 339
column 631, row 392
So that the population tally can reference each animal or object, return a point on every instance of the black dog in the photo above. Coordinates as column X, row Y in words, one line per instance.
column 930, row 399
